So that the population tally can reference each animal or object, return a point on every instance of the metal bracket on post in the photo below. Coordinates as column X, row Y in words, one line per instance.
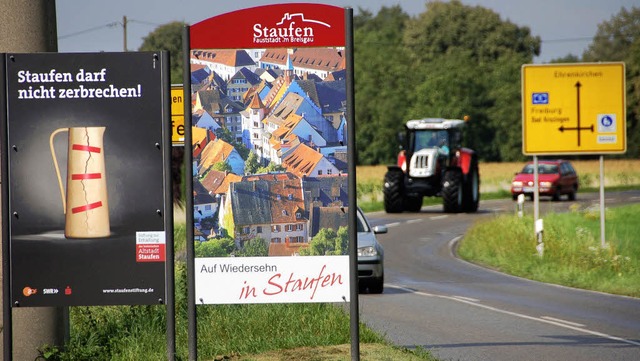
column 539, row 227
column 520, row 205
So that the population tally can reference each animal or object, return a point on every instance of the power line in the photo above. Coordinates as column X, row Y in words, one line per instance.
column 108, row 25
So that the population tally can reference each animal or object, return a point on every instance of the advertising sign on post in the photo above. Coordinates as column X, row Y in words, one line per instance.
column 270, row 175
column 84, row 144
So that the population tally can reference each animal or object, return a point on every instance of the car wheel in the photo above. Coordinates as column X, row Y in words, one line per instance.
column 377, row 286
column 572, row 194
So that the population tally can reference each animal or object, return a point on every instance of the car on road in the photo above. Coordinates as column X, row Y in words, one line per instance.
column 555, row 178
column 370, row 255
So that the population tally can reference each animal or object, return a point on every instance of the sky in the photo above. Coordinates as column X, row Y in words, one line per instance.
column 564, row 26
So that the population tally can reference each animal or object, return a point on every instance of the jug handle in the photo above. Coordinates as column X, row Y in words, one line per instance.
column 55, row 163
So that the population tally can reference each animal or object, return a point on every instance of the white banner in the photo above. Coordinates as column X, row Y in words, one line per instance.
column 299, row 279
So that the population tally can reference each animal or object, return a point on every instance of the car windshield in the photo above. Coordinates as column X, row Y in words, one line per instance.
column 431, row 138
column 542, row 169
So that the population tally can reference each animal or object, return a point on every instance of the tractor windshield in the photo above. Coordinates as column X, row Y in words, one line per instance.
column 430, row 139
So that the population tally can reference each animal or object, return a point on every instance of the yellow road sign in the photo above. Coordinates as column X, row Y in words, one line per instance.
column 177, row 115
column 573, row 109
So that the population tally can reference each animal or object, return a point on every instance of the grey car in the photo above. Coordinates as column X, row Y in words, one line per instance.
column 370, row 256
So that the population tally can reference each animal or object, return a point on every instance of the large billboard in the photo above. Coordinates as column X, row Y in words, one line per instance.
column 84, row 144
column 270, row 167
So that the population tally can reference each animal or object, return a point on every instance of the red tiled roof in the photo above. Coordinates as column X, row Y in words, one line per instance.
column 302, row 160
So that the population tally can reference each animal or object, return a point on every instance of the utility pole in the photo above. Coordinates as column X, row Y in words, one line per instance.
column 124, row 31
column 28, row 26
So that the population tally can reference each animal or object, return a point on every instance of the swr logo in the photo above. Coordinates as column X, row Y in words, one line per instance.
column 28, row 291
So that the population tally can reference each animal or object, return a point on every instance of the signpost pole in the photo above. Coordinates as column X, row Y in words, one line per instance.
column 602, row 213
column 192, row 327
column 536, row 190
column 353, row 234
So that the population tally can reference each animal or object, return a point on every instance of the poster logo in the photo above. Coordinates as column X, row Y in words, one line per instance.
column 28, row 291
column 282, row 33
column 271, row 26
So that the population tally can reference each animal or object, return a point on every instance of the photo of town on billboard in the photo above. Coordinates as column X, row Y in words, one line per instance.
column 269, row 149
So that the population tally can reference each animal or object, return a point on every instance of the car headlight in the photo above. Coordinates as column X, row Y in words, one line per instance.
column 367, row 252
column 546, row 184
column 517, row 184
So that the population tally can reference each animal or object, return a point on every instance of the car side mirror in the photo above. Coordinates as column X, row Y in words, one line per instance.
column 380, row 229
column 401, row 140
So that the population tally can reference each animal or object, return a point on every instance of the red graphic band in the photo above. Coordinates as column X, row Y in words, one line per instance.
column 87, row 207
column 81, row 176
column 86, row 148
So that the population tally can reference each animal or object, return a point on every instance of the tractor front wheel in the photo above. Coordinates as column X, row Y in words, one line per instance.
column 452, row 191
column 393, row 191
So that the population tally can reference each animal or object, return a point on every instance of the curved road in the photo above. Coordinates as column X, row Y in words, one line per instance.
column 460, row 311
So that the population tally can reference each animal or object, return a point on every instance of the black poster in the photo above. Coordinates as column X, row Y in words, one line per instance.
column 84, row 144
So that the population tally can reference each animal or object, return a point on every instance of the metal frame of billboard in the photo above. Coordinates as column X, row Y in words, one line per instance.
column 222, row 32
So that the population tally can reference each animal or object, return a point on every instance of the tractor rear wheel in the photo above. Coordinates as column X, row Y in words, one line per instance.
column 471, row 194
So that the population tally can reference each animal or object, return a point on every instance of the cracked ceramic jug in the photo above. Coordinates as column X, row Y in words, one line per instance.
column 85, row 201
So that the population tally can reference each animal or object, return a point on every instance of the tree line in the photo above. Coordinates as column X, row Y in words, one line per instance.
column 454, row 60
column 449, row 61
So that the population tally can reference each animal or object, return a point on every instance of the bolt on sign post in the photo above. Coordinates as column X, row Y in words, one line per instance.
column 573, row 109
column 87, row 200
column 271, row 95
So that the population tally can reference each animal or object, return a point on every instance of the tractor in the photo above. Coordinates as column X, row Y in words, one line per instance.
column 432, row 162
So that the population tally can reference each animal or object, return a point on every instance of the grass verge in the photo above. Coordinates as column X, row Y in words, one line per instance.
column 573, row 253
column 315, row 331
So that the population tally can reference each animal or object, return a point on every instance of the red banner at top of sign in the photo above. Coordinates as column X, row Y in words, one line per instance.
column 272, row 26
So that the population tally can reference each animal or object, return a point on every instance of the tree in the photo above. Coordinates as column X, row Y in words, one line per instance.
column 466, row 61
column 222, row 166
column 252, row 164
column 328, row 242
column 382, row 83
column 614, row 38
column 167, row 37
column 222, row 247
column 226, row 135
column 256, row 247
column 619, row 40
column 271, row 168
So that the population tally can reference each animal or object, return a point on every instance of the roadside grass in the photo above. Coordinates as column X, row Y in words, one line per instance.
column 573, row 254
column 314, row 331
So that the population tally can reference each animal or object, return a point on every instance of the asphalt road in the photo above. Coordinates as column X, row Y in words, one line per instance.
column 460, row 311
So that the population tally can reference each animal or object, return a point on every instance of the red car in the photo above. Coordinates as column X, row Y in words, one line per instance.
column 555, row 178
